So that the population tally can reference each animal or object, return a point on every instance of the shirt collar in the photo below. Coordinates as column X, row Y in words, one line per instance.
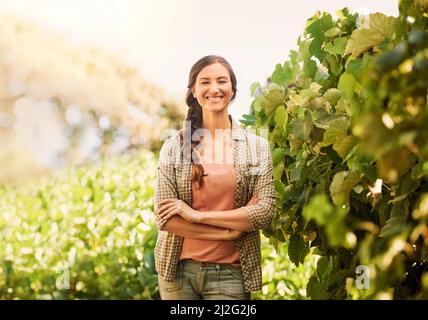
column 237, row 131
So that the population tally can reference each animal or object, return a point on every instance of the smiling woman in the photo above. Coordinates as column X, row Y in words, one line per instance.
column 213, row 88
column 214, row 193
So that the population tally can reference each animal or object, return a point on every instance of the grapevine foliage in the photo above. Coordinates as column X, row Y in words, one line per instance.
column 347, row 119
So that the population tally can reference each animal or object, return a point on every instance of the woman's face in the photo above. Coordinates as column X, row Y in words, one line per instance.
column 213, row 88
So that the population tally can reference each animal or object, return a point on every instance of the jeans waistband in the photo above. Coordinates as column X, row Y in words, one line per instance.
column 207, row 265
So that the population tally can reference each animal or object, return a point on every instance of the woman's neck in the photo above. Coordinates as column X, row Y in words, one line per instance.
column 213, row 121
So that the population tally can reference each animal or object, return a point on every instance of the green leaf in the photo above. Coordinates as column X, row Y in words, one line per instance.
column 347, row 85
column 319, row 209
column 317, row 28
column 420, row 170
column 382, row 24
column 324, row 266
column 338, row 46
column 317, row 290
column 291, row 215
column 332, row 32
column 304, row 53
column 278, row 136
column 296, row 171
column 277, row 156
column 281, row 117
column 254, row 86
column 257, row 104
column 396, row 222
column 320, row 76
column 336, row 276
column 341, row 186
column 249, row 116
column 278, row 170
column 279, row 76
column 310, row 94
column 333, row 95
column 286, row 73
column 272, row 98
column 279, row 187
column 362, row 40
column 337, row 129
column 302, row 128
column 407, row 186
column 322, row 118
column 315, row 87
column 308, row 125
column 315, row 48
column 367, row 169
column 295, row 144
column 307, row 93
column 345, row 145
column 356, row 67
column 297, row 249
column 309, row 68
column 333, row 64
column 249, row 119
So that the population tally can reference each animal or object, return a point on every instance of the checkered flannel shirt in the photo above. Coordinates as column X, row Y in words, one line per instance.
column 253, row 165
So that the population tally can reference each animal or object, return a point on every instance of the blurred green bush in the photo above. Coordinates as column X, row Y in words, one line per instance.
column 87, row 233
column 283, row 280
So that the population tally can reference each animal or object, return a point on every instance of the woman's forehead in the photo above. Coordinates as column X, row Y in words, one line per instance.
column 215, row 70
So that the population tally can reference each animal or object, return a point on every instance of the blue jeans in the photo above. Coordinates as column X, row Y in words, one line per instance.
column 204, row 281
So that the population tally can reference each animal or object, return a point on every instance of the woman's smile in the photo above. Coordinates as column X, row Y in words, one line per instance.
column 215, row 99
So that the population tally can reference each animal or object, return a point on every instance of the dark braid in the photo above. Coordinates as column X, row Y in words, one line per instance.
column 194, row 115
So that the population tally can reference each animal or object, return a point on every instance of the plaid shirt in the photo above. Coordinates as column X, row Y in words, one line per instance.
column 253, row 164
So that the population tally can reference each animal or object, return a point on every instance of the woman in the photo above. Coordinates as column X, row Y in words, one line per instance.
column 214, row 193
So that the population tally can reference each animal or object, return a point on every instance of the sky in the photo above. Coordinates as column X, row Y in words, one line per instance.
column 163, row 38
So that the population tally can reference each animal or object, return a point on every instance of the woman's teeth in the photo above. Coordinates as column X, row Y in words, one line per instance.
column 215, row 99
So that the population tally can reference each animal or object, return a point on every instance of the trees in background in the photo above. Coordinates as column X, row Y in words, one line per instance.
column 64, row 104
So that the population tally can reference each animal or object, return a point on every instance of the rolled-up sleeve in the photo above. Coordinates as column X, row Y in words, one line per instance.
column 166, row 186
column 260, row 215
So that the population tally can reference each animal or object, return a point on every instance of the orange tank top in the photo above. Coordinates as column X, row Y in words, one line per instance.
column 216, row 194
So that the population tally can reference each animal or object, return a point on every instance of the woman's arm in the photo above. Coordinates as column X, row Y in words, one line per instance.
column 166, row 186
column 236, row 219
column 184, row 228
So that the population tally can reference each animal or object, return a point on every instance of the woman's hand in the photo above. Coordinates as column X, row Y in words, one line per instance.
column 171, row 207
column 234, row 235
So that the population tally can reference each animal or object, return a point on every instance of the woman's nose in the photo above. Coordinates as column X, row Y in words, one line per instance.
column 213, row 88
